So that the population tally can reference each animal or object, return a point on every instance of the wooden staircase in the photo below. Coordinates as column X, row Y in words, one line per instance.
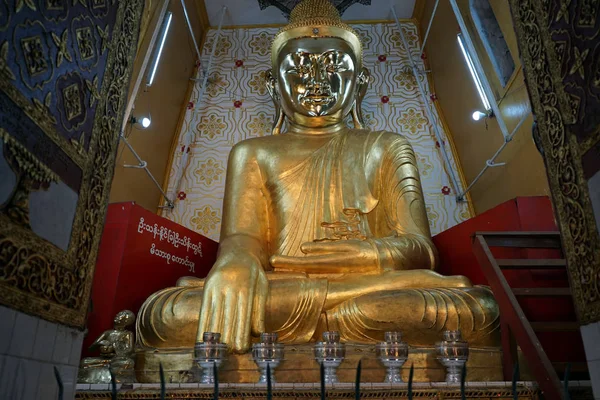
column 516, row 329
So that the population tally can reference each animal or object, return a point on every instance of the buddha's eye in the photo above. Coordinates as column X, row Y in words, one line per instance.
column 302, row 69
column 297, row 70
column 332, row 68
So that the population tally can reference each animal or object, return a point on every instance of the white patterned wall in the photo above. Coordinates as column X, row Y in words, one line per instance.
column 237, row 106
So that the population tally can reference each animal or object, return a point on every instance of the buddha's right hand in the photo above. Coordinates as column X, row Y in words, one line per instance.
column 234, row 299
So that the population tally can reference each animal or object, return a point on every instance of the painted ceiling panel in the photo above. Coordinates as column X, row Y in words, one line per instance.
column 259, row 12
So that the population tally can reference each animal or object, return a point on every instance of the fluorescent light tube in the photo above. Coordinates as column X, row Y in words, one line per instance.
column 167, row 23
column 476, row 79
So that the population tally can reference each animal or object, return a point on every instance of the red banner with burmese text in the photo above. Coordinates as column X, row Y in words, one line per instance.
column 141, row 253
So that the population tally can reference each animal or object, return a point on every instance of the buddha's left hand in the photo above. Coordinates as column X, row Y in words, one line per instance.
column 331, row 257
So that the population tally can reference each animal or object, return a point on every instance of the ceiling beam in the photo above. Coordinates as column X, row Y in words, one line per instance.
column 203, row 15
column 418, row 10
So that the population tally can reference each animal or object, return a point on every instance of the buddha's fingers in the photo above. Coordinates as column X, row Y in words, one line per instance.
column 242, row 323
column 205, row 314
column 328, row 247
column 218, row 309
column 230, row 308
column 260, row 304
column 338, row 262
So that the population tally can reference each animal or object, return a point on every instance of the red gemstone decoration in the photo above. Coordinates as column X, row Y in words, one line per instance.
column 182, row 148
column 385, row 99
column 190, row 105
column 181, row 195
column 239, row 63
column 433, row 97
column 423, row 56
column 237, row 103
column 382, row 58
column 445, row 190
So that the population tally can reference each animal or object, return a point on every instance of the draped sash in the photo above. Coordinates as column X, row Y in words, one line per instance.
column 318, row 190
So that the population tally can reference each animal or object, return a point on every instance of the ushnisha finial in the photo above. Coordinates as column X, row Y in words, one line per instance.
column 315, row 19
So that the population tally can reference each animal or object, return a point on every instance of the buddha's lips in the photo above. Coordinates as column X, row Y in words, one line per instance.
column 317, row 99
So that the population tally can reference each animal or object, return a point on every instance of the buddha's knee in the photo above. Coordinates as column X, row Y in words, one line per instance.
column 169, row 318
column 421, row 314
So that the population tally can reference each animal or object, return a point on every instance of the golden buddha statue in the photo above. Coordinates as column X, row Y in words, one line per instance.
column 324, row 227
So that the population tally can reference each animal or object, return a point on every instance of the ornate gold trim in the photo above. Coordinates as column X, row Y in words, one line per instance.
column 36, row 276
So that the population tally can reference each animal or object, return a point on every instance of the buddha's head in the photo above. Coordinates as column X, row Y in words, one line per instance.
column 317, row 72
column 123, row 319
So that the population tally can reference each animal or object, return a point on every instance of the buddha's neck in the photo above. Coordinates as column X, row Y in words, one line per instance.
column 301, row 129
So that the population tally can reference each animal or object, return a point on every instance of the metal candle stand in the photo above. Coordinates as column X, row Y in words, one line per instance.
column 267, row 353
column 330, row 353
column 453, row 353
column 208, row 354
column 392, row 353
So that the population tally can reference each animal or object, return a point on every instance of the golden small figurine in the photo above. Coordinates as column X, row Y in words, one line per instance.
column 280, row 268
column 116, row 354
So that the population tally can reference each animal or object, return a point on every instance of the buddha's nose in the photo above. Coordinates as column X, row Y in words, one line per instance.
column 318, row 81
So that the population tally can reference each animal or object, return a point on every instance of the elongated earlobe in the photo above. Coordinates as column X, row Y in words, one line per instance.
column 363, row 80
column 356, row 117
column 272, row 89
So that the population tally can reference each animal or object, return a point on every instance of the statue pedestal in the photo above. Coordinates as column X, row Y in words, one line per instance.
column 299, row 366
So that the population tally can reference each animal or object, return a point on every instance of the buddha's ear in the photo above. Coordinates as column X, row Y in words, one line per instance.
column 362, row 84
column 271, row 85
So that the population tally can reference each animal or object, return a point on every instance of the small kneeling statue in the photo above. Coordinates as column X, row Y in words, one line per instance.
column 324, row 227
column 116, row 354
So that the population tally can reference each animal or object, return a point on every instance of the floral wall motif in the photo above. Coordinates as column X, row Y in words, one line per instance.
column 236, row 106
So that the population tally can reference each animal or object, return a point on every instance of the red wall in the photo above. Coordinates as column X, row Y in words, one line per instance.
column 141, row 253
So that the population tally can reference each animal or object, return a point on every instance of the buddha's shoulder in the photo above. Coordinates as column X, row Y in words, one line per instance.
column 380, row 139
column 276, row 143
column 257, row 144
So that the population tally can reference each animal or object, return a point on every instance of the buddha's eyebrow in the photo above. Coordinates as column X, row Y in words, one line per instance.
column 301, row 53
column 334, row 54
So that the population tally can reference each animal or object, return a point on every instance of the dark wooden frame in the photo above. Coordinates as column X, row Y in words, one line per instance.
column 36, row 276
column 553, row 40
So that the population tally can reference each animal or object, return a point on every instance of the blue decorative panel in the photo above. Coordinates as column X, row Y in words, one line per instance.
column 64, row 72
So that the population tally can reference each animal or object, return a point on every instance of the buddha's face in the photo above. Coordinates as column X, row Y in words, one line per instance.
column 123, row 319
column 316, row 78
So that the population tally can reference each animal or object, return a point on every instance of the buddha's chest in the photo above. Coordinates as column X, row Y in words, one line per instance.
column 335, row 161
column 315, row 190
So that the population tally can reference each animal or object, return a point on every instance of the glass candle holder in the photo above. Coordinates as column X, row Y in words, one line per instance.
column 330, row 352
column 453, row 353
column 267, row 353
column 208, row 353
column 392, row 353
